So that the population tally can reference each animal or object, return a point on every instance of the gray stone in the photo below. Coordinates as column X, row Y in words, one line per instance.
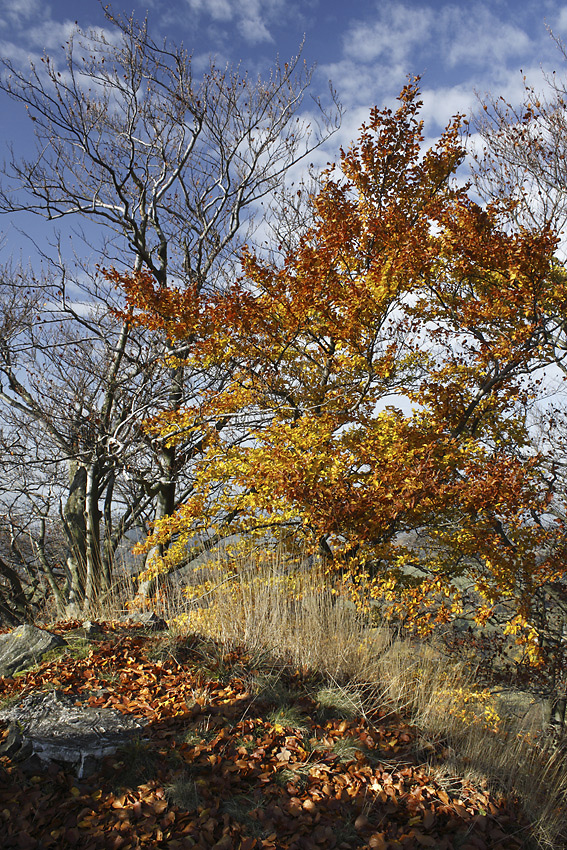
column 25, row 646
column 52, row 727
column 92, row 630
column 149, row 620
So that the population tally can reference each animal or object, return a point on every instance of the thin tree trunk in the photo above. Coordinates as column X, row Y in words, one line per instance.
column 75, row 529
column 48, row 572
column 20, row 607
column 106, row 547
column 166, row 494
column 93, row 584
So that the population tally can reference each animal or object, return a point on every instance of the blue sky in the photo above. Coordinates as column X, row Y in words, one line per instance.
column 366, row 47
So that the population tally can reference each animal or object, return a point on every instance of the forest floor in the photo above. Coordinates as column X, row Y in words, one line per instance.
column 241, row 751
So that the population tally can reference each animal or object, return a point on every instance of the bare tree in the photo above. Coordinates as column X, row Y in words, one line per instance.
column 523, row 152
column 522, row 156
column 174, row 170
column 74, row 387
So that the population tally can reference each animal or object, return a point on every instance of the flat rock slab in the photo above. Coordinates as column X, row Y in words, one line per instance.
column 52, row 727
column 25, row 646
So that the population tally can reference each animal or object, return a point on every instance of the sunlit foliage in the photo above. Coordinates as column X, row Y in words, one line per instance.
column 380, row 378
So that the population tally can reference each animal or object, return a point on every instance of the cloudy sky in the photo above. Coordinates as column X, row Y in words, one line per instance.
column 367, row 48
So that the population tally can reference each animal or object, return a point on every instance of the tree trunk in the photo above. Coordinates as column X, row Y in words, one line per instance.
column 557, row 712
column 94, row 577
column 165, row 505
column 20, row 610
column 76, row 532
column 48, row 571
column 165, row 497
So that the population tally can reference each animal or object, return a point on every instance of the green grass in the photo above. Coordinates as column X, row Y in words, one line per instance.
column 288, row 717
column 136, row 764
column 184, row 793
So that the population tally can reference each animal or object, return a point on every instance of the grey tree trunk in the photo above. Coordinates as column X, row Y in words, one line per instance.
column 94, row 573
column 76, row 532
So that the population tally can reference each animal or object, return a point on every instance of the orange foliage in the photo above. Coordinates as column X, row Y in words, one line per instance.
column 379, row 379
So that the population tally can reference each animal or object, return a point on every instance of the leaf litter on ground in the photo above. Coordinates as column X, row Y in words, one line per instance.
column 216, row 769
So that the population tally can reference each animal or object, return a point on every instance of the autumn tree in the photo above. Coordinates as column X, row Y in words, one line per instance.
column 380, row 378
column 168, row 171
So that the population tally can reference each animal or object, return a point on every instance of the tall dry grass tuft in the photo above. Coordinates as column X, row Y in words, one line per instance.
column 291, row 611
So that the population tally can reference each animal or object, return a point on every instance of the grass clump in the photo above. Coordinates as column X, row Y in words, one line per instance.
column 137, row 764
column 338, row 702
column 288, row 717
column 289, row 611
column 184, row 793
column 347, row 747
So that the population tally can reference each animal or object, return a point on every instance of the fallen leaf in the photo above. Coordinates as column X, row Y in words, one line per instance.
column 425, row 840
column 361, row 823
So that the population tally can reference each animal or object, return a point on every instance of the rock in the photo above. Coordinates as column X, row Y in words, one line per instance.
column 12, row 745
column 52, row 727
column 25, row 646
column 92, row 630
column 149, row 620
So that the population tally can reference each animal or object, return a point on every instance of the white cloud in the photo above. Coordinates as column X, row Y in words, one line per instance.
column 363, row 84
column 441, row 104
column 457, row 49
column 253, row 24
column 219, row 10
column 475, row 35
column 15, row 13
column 253, row 18
column 391, row 37
column 560, row 24
column 380, row 52
column 50, row 35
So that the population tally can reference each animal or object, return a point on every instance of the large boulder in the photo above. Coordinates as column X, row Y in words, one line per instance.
column 53, row 727
column 25, row 646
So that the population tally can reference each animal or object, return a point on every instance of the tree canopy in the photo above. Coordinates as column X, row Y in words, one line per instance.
column 381, row 377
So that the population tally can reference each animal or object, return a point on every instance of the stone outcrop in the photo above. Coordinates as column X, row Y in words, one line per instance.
column 47, row 727
column 149, row 620
column 25, row 646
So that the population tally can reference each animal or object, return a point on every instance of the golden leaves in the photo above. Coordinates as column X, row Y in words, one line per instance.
column 375, row 382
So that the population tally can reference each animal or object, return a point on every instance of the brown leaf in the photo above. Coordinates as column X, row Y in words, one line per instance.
column 225, row 843
column 425, row 840
column 361, row 823
column 26, row 842
column 428, row 819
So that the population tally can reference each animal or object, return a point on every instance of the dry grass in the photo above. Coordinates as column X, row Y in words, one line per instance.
column 294, row 614
column 463, row 733
column 291, row 612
